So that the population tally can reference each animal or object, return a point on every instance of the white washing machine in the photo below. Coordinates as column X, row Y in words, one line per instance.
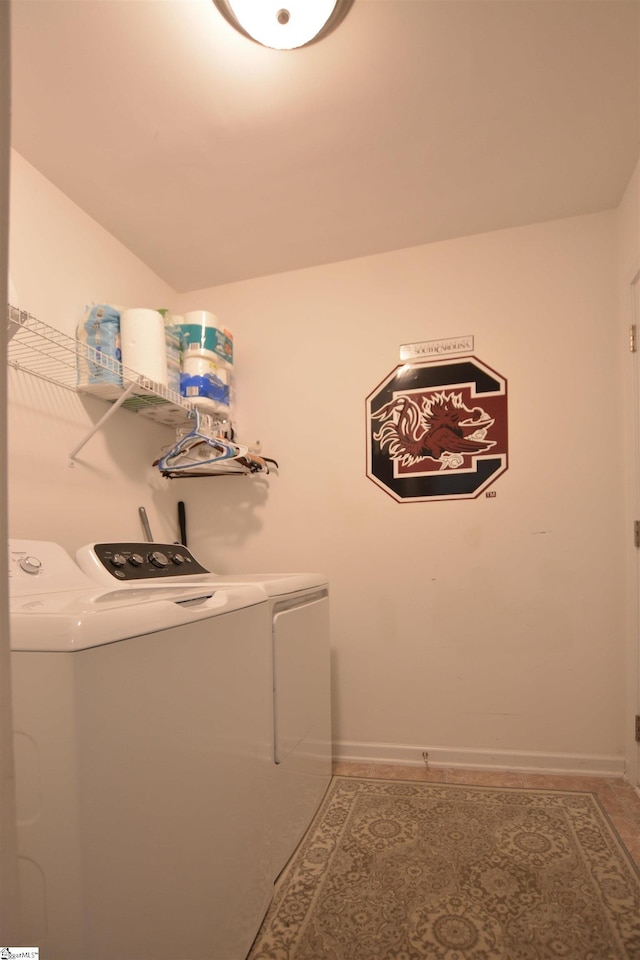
column 300, row 685
column 144, row 758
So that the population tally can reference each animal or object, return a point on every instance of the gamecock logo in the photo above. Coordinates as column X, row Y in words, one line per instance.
column 437, row 430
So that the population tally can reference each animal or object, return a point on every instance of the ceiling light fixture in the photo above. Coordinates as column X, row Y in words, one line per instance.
column 284, row 24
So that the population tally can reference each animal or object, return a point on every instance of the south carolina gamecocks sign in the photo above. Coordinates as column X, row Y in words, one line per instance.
column 437, row 430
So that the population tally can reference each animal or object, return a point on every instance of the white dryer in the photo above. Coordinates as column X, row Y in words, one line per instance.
column 298, row 643
column 301, row 688
column 144, row 758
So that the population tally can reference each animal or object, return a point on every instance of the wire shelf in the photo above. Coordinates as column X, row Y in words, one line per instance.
column 54, row 356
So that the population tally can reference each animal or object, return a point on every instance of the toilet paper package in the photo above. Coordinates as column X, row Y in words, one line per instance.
column 143, row 343
column 99, row 366
column 201, row 330
column 205, row 377
column 204, row 363
column 209, row 387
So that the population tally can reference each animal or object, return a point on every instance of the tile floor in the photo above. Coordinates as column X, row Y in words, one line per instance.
column 619, row 798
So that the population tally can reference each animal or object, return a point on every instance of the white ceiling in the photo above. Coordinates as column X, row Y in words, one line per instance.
column 214, row 159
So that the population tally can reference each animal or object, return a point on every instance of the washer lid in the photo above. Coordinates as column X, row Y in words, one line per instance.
column 80, row 619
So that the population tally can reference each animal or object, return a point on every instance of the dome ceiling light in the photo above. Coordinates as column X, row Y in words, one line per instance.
column 284, row 24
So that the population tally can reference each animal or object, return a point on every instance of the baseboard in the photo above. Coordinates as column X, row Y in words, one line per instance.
column 478, row 759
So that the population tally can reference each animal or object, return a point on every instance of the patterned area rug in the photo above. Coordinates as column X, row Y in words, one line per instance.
column 398, row 870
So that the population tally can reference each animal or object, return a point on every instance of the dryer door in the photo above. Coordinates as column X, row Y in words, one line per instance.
column 302, row 720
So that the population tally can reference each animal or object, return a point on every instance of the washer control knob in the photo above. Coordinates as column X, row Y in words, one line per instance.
column 118, row 560
column 159, row 559
column 30, row 565
column 178, row 558
column 136, row 560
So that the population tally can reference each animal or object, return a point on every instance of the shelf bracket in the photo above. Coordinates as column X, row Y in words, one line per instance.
column 101, row 422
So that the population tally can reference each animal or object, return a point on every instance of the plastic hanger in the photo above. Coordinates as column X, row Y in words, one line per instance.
column 200, row 453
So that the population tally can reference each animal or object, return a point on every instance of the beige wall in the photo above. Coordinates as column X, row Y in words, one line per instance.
column 489, row 630
column 61, row 260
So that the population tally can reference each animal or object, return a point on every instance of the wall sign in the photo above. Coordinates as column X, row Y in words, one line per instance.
column 430, row 349
column 437, row 430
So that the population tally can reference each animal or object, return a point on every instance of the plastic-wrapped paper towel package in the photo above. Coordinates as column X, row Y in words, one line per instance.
column 207, row 362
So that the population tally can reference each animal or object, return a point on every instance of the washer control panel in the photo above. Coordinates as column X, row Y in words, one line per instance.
column 138, row 561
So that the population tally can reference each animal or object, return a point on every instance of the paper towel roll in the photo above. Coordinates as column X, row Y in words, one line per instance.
column 143, row 345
